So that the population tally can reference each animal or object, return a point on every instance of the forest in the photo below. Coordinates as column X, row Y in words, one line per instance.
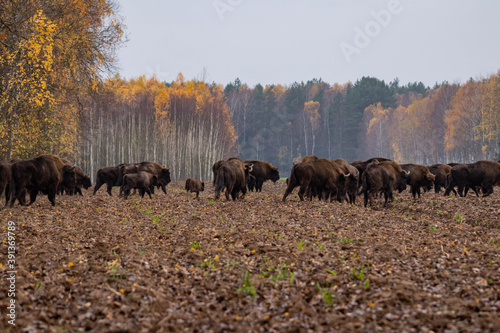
column 62, row 99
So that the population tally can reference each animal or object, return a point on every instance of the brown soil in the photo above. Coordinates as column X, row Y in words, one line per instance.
column 177, row 264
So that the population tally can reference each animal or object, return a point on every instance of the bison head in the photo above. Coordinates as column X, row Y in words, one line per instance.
column 248, row 168
column 164, row 177
column 275, row 175
column 403, row 181
column 429, row 179
column 86, row 183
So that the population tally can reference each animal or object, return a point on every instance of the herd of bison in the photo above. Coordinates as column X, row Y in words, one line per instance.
column 316, row 177
column 260, row 260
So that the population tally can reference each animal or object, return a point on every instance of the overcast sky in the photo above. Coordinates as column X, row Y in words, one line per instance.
column 283, row 41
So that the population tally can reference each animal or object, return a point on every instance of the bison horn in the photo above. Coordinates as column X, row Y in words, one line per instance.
column 347, row 175
column 407, row 172
column 250, row 168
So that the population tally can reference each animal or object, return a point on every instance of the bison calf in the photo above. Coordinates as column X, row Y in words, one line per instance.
column 141, row 181
column 194, row 185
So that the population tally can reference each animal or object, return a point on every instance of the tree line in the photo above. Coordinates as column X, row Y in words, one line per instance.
column 55, row 98
column 356, row 121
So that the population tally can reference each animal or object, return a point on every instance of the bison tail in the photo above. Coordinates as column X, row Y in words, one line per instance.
column 364, row 185
column 220, row 179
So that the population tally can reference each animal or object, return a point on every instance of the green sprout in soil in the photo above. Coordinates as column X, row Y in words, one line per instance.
column 208, row 263
column 195, row 245
column 38, row 286
column 346, row 240
column 432, row 227
column 458, row 218
column 247, row 286
column 326, row 294
column 358, row 273
column 301, row 244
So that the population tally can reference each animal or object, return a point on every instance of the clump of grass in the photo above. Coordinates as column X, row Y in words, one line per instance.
column 326, row 294
column 247, row 286
column 195, row 245
column 346, row 240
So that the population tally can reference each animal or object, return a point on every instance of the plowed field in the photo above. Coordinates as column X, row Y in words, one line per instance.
column 177, row 264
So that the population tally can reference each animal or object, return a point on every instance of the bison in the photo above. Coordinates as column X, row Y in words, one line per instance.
column 141, row 180
column 215, row 168
column 351, row 185
column 194, row 185
column 419, row 177
column 162, row 173
column 382, row 177
column 440, row 171
column 232, row 176
column 44, row 173
column 481, row 174
column 321, row 175
column 82, row 180
column 263, row 171
column 361, row 165
column 108, row 176
column 4, row 179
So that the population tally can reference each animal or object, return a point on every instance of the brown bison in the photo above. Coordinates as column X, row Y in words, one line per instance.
column 263, row 171
column 108, row 176
column 351, row 185
column 419, row 177
column 323, row 176
column 479, row 175
column 232, row 176
column 440, row 171
column 361, row 165
column 309, row 158
column 4, row 179
column 194, row 185
column 382, row 177
column 141, row 181
column 44, row 173
column 215, row 168
column 162, row 173
column 82, row 180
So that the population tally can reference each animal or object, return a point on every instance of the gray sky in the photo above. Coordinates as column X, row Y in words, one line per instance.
column 283, row 41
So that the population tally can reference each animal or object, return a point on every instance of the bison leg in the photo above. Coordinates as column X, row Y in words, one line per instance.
column 109, row 187
column 259, row 186
column 414, row 192
column 33, row 195
column 197, row 194
column 367, row 197
column 78, row 190
column 302, row 191
column 387, row 195
column 148, row 191
column 52, row 197
column 97, row 186
column 487, row 190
